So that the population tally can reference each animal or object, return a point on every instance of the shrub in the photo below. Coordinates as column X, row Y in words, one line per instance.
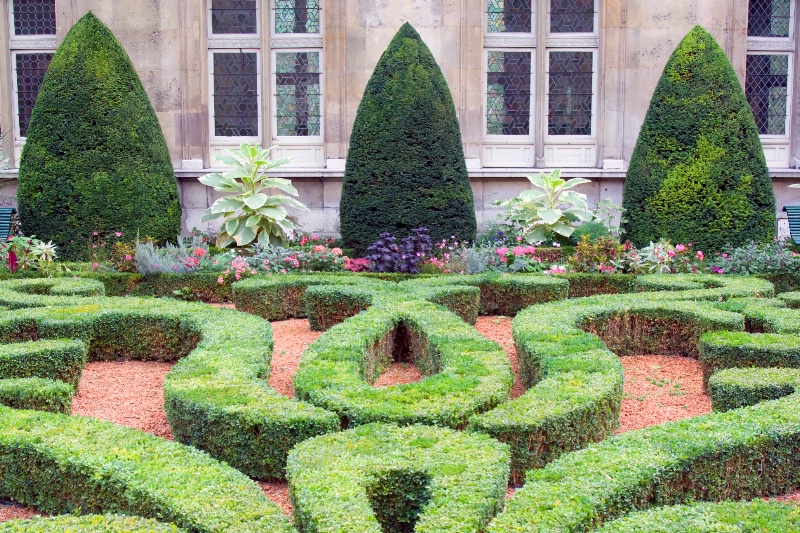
column 405, row 168
column 95, row 158
column 62, row 464
column 698, row 172
column 385, row 478
column 88, row 524
column 595, row 255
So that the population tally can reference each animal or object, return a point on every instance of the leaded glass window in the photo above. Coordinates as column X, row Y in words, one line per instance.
column 234, row 17
column 508, row 97
column 510, row 16
column 31, row 69
column 769, row 18
column 34, row 17
column 297, row 16
column 767, row 89
column 236, row 94
column 570, row 93
column 571, row 16
column 297, row 82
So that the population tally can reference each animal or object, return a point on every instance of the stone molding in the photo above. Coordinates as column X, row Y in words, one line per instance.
column 34, row 44
column 498, row 41
column 769, row 46
column 573, row 42
column 296, row 42
column 235, row 42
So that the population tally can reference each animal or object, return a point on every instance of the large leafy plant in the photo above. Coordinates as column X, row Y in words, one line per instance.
column 250, row 213
column 550, row 207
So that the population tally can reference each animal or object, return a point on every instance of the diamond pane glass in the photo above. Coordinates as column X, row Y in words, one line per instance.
column 297, row 16
column 571, row 16
column 508, row 97
column 769, row 18
column 236, row 94
column 507, row 16
column 31, row 69
column 34, row 17
column 298, row 94
column 233, row 16
column 767, row 89
column 570, row 94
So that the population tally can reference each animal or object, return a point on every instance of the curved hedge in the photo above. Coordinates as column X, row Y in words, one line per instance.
column 465, row 372
column 711, row 518
column 63, row 464
column 698, row 172
column 95, row 159
column 405, row 165
column 216, row 397
column 381, row 477
column 88, row 524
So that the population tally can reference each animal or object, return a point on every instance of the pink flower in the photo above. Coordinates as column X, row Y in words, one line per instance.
column 724, row 256
column 680, row 248
column 337, row 251
column 700, row 255
column 199, row 252
column 220, row 280
column 319, row 248
column 128, row 258
column 315, row 237
column 95, row 265
column 118, row 233
column 519, row 238
column 671, row 253
column 94, row 233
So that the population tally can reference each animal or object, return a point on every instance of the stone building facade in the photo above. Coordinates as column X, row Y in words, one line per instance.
column 537, row 84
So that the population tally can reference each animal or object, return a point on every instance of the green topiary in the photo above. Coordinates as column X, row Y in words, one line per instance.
column 698, row 172
column 406, row 167
column 95, row 158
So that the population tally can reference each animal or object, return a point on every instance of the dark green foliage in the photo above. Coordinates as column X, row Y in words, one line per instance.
column 405, row 168
column 95, row 158
column 358, row 480
column 698, row 172
column 37, row 394
column 728, row 349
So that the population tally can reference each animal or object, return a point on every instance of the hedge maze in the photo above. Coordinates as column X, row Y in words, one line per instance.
column 431, row 456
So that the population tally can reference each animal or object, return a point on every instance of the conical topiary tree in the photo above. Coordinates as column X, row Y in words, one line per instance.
column 405, row 168
column 95, row 157
column 698, row 172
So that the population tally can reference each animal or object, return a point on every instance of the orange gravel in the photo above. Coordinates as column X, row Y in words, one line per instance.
column 129, row 393
column 660, row 389
column 498, row 329
column 399, row 374
column 291, row 337
column 11, row 511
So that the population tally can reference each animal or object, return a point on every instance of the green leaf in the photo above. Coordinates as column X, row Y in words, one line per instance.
column 226, row 204
column 291, row 202
column 280, row 183
column 537, row 234
column 256, row 200
column 562, row 229
column 208, row 215
column 275, row 213
column 574, row 182
column 550, row 216
column 228, row 160
column 244, row 235
column 231, row 226
column 253, row 221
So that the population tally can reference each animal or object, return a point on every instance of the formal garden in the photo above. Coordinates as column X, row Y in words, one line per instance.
column 567, row 368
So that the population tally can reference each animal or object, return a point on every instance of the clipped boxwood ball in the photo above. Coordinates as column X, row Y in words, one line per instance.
column 698, row 172
column 95, row 157
column 405, row 168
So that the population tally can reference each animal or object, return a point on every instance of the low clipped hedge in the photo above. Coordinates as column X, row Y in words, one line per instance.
column 61, row 360
column 383, row 478
column 61, row 464
column 741, row 387
column 738, row 454
column 465, row 372
column 585, row 284
column 89, row 524
column 711, row 518
column 38, row 394
column 729, row 349
column 216, row 397
column 574, row 381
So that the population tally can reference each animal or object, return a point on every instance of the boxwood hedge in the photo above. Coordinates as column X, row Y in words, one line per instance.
column 711, row 518
column 89, row 524
column 216, row 397
column 465, row 372
column 381, row 477
column 62, row 464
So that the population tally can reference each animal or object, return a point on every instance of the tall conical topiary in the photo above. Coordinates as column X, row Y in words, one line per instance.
column 405, row 168
column 698, row 172
column 95, row 157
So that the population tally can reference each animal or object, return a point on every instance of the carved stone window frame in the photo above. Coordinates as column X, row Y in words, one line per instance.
column 234, row 140
column 233, row 40
column 291, row 139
